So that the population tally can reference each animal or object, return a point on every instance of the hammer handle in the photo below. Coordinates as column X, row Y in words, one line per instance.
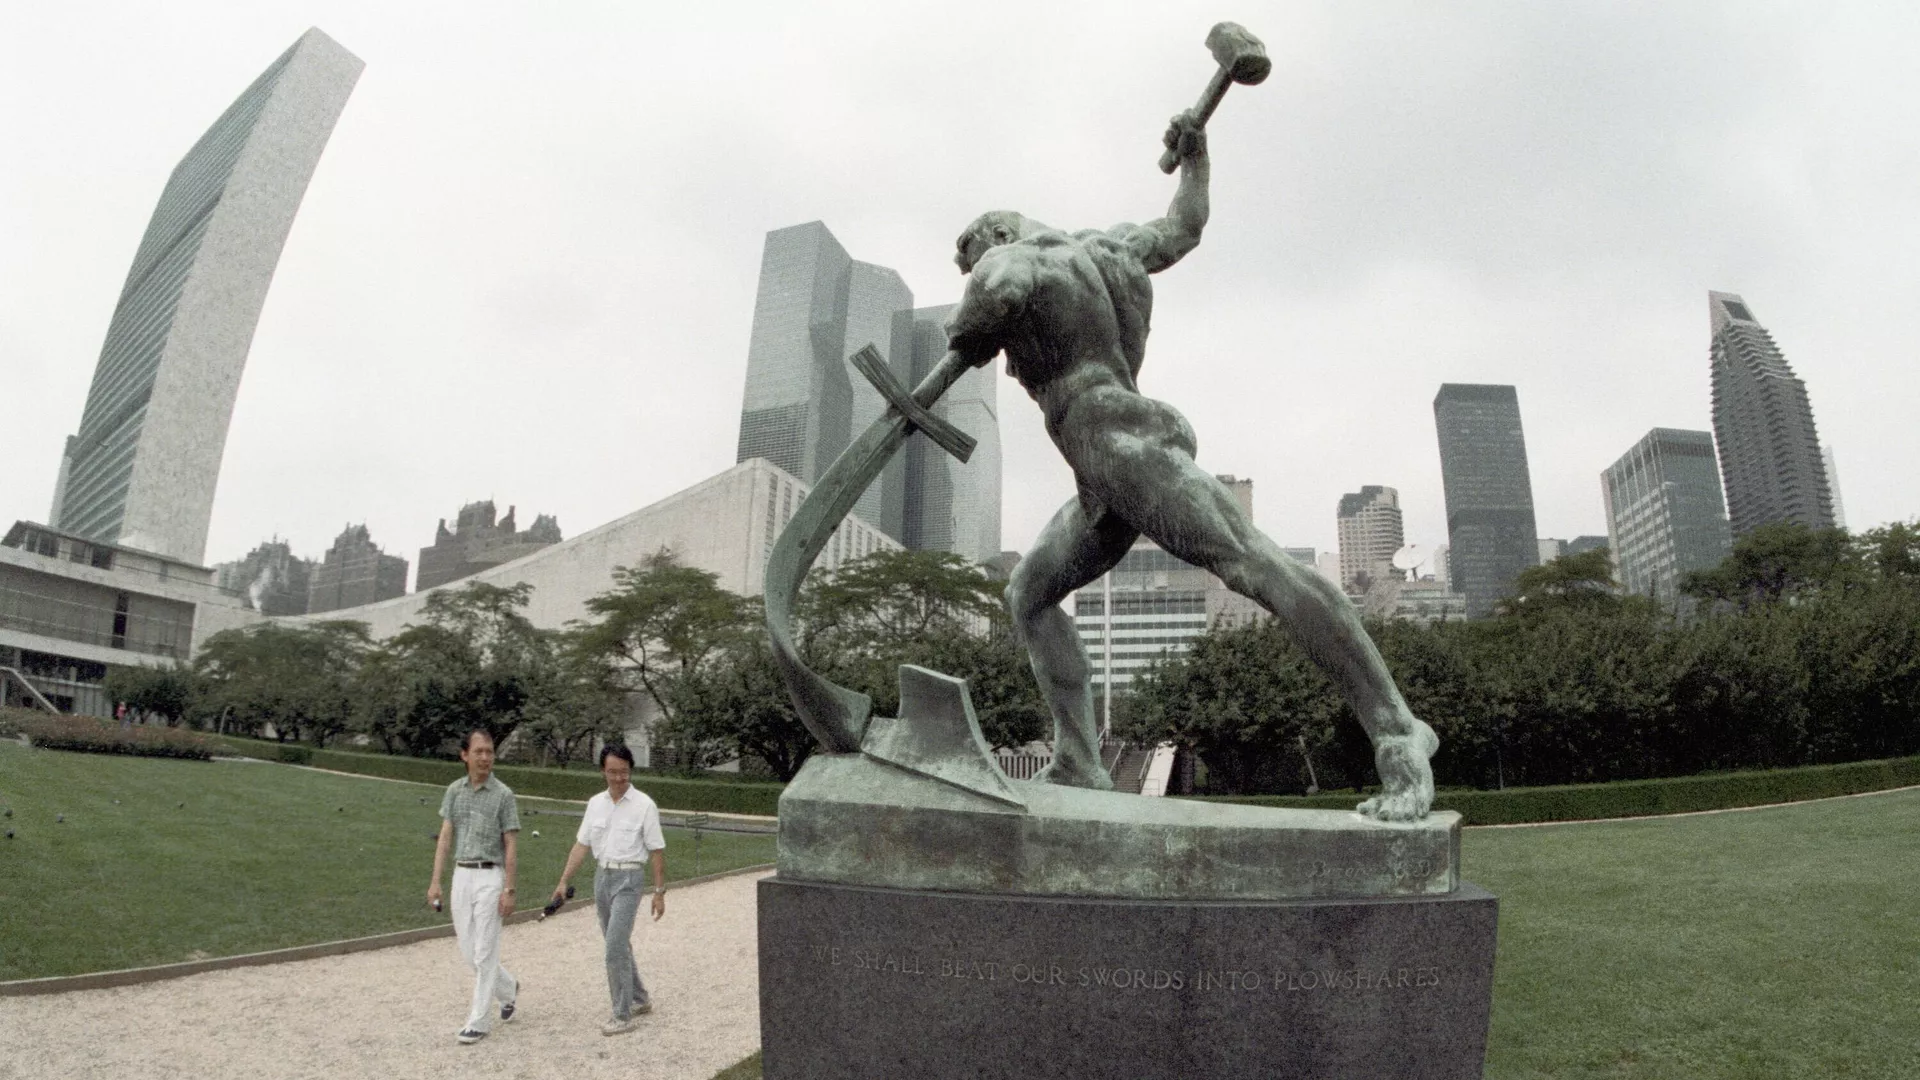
column 1209, row 101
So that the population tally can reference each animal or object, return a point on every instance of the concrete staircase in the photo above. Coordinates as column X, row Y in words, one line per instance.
column 1131, row 768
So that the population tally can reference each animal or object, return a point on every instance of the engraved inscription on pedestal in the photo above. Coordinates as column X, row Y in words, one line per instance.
column 903, row 983
column 1128, row 974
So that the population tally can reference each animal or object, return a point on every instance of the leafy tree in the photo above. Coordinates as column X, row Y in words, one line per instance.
column 1246, row 700
column 1583, row 580
column 1892, row 551
column 856, row 626
column 303, row 679
column 661, row 621
column 576, row 702
column 474, row 662
column 165, row 692
column 738, row 706
column 890, row 600
column 1775, row 562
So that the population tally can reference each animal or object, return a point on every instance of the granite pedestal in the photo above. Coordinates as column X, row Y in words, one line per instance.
column 898, row 984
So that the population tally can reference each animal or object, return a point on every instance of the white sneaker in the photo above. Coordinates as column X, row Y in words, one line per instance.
column 617, row 1026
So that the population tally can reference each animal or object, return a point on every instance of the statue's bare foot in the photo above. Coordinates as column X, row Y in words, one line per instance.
column 1068, row 774
column 1406, row 777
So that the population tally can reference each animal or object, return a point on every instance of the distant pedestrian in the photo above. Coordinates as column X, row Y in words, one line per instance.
column 481, row 826
column 622, row 830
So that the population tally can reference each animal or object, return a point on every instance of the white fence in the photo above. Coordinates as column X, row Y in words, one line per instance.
column 1021, row 765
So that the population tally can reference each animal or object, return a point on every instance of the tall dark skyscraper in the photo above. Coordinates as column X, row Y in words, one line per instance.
column 952, row 505
column 142, row 469
column 1665, row 516
column 1491, row 535
column 815, row 308
column 1769, row 450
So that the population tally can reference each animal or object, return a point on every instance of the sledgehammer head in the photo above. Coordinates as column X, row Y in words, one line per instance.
column 1241, row 54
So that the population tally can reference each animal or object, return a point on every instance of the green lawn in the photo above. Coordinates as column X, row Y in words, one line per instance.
column 1777, row 944
column 1765, row 944
column 259, row 857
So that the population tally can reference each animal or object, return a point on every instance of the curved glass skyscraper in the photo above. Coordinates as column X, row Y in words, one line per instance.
column 142, row 469
column 1763, row 423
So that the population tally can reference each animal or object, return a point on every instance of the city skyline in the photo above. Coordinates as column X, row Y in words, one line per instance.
column 510, row 254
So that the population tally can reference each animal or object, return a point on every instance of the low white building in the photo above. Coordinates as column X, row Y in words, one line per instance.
column 725, row 524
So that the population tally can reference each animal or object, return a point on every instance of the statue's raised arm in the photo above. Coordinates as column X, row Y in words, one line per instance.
column 1160, row 243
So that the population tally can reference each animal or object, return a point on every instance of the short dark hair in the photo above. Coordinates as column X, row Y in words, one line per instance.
column 615, row 750
column 466, row 741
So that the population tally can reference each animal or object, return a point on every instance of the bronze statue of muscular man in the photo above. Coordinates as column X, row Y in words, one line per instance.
column 1071, row 310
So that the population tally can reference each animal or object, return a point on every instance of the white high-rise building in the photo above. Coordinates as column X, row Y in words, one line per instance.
column 141, row 471
column 1370, row 532
column 1833, row 487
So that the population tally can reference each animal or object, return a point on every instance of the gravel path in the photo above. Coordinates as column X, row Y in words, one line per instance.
column 391, row 1013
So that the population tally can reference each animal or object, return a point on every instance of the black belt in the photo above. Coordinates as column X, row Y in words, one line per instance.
column 477, row 865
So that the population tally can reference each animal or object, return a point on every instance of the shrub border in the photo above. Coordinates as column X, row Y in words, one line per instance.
column 1514, row 806
column 77, row 734
column 759, row 798
column 1641, row 798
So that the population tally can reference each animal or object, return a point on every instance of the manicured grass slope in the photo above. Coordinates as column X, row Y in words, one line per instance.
column 1781, row 944
column 1774, row 943
column 260, row 857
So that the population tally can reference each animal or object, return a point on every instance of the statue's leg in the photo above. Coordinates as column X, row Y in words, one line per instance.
column 1191, row 514
column 1071, row 552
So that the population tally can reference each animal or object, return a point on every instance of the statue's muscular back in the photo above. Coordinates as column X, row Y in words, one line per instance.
column 1072, row 313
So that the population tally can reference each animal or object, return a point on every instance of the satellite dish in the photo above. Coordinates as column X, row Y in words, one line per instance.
column 1410, row 557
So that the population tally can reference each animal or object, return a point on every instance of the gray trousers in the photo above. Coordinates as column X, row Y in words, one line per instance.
column 616, row 898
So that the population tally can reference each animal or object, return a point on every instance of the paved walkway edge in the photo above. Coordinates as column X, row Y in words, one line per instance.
column 100, row 980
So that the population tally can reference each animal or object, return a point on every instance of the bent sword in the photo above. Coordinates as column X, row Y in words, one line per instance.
column 834, row 714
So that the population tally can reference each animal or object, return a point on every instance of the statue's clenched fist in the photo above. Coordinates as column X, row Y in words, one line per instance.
column 1186, row 136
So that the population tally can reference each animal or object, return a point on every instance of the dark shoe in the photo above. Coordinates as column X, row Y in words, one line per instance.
column 506, row 1011
column 469, row 1035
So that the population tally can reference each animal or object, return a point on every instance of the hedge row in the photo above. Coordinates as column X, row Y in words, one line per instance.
column 1577, row 802
column 88, row 735
column 671, row 792
column 1641, row 798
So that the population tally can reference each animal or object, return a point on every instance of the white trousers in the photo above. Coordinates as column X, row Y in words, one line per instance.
column 476, row 925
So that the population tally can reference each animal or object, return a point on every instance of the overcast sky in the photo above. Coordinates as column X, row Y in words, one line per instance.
column 525, row 267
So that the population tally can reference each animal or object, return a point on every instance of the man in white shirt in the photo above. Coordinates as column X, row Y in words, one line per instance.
column 622, row 830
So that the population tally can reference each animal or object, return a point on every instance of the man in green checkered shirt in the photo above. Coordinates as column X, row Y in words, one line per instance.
column 480, row 825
